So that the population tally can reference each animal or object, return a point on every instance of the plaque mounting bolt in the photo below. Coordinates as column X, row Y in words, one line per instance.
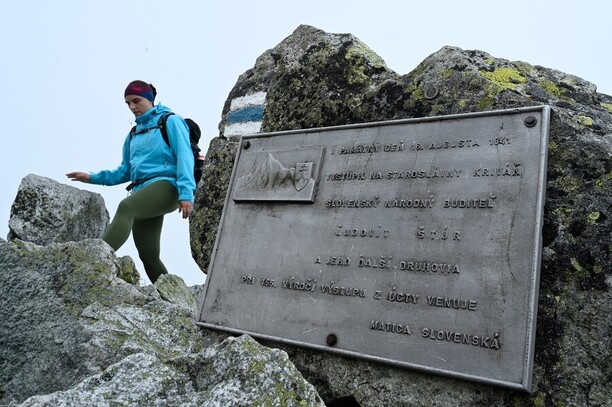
column 331, row 340
column 530, row 121
column 431, row 93
column 246, row 145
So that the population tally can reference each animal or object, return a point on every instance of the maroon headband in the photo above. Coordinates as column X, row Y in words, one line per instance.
column 140, row 88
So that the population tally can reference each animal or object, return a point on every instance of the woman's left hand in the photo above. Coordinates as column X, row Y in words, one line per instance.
column 185, row 208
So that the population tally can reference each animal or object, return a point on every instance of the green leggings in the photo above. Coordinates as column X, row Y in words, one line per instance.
column 142, row 213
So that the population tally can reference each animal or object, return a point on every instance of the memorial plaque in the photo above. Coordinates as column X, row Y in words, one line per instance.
column 413, row 242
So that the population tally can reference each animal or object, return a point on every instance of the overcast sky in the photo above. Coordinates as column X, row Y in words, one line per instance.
column 65, row 64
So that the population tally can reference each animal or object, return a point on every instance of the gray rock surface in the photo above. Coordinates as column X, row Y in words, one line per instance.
column 237, row 372
column 314, row 79
column 64, row 315
column 76, row 330
column 46, row 211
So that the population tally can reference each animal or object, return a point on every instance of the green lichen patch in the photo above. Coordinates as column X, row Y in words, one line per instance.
column 358, row 53
column 508, row 78
column 485, row 102
column 593, row 216
column 567, row 184
column 447, row 73
column 550, row 87
column 418, row 94
column 525, row 69
column 576, row 265
column 603, row 183
column 607, row 106
column 540, row 400
column 584, row 120
column 600, row 185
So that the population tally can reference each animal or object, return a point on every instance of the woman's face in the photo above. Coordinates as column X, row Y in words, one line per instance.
column 137, row 104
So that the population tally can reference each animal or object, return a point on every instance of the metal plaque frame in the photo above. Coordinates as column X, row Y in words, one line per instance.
column 415, row 243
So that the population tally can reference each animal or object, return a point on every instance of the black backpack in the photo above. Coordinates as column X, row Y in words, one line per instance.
column 194, row 138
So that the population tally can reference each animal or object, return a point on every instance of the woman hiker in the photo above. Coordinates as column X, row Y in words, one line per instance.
column 161, row 177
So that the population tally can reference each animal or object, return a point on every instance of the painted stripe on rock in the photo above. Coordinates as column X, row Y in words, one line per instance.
column 247, row 114
column 253, row 99
column 241, row 129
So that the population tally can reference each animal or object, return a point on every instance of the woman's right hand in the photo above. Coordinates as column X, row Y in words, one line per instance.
column 79, row 176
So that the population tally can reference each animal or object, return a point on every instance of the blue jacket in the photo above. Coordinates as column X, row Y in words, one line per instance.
column 146, row 156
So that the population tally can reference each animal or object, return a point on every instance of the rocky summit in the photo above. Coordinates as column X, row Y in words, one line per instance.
column 76, row 329
column 316, row 79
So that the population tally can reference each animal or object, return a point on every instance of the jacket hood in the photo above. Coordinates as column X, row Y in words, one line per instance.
column 151, row 116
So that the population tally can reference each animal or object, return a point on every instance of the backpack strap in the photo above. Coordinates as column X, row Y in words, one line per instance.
column 162, row 127
column 133, row 131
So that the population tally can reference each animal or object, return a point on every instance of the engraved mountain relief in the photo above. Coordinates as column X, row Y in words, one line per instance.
column 272, row 174
column 275, row 179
